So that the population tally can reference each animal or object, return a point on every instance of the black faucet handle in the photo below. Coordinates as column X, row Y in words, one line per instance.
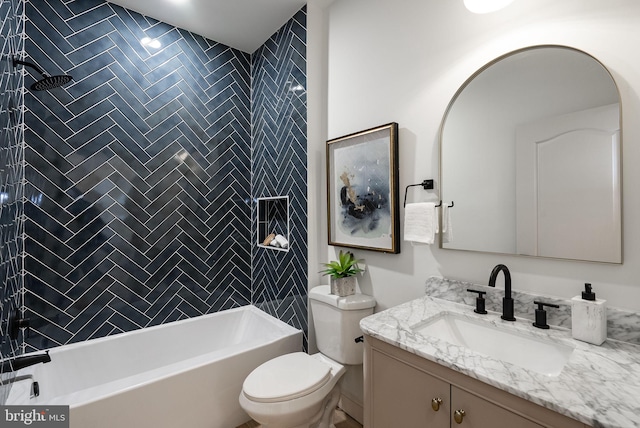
column 541, row 305
column 480, row 301
column 16, row 323
column 541, row 314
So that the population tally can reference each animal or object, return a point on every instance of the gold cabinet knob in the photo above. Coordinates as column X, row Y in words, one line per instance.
column 458, row 416
column 435, row 404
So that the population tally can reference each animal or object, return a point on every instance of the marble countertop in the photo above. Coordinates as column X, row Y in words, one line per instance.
column 599, row 385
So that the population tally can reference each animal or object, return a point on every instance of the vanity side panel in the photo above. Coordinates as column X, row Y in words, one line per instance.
column 367, row 379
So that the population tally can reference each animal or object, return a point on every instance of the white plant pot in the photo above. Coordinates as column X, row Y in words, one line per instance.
column 343, row 286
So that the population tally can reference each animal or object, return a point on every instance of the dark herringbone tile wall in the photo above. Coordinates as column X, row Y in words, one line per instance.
column 11, row 179
column 279, row 167
column 138, row 174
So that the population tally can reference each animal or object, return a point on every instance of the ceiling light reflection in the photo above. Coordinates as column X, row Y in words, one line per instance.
column 486, row 6
column 152, row 43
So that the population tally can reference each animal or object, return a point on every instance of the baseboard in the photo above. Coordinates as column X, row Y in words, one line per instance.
column 352, row 408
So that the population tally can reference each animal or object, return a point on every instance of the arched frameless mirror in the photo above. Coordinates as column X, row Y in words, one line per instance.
column 530, row 152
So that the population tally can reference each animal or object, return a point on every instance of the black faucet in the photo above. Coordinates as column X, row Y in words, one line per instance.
column 507, row 301
column 17, row 363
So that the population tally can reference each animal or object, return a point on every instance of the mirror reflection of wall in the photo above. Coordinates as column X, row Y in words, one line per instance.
column 480, row 173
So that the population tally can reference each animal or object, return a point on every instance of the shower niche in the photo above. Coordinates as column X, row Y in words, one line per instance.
column 273, row 223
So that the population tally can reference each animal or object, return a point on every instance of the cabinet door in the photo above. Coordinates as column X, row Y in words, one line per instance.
column 401, row 396
column 479, row 413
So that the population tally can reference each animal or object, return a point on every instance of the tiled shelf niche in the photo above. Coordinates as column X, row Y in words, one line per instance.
column 273, row 217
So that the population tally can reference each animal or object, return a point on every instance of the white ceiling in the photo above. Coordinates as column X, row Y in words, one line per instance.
column 241, row 24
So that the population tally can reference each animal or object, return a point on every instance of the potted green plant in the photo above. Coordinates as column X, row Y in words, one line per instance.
column 342, row 273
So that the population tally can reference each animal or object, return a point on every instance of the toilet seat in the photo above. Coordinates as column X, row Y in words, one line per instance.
column 285, row 378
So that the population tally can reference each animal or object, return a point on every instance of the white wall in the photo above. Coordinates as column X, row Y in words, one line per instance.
column 371, row 62
column 402, row 61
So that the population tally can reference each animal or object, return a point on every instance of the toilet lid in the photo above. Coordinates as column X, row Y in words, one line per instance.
column 286, row 377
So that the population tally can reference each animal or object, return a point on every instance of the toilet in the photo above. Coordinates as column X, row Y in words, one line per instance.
column 299, row 390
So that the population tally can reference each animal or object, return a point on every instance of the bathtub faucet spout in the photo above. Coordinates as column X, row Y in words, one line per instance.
column 17, row 363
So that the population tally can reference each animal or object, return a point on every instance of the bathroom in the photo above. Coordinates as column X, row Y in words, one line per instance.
column 387, row 61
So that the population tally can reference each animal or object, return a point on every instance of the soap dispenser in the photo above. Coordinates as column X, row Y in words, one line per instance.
column 589, row 317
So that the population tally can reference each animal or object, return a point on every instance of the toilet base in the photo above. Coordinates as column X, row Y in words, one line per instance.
column 326, row 421
column 314, row 410
column 323, row 418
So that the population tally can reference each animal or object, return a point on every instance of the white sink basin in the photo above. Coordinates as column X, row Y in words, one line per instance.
column 518, row 348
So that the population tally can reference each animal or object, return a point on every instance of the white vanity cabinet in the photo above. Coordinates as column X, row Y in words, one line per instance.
column 405, row 390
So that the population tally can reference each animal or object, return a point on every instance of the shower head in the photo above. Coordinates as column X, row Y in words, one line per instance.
column 47, row 82
column 50, row 82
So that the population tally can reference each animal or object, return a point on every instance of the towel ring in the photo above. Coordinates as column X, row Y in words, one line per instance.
column 426, row 184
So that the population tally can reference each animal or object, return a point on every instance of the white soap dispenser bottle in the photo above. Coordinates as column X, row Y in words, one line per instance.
column 589, row 317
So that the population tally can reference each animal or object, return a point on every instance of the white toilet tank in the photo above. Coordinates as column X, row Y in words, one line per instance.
column 337, row 323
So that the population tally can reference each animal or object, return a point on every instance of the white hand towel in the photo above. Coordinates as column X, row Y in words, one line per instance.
column 447, row 228
column 420, row 222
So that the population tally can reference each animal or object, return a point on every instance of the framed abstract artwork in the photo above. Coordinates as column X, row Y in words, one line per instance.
column 362, row 189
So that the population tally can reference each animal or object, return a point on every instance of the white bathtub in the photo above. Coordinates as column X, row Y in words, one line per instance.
column 183, row 374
